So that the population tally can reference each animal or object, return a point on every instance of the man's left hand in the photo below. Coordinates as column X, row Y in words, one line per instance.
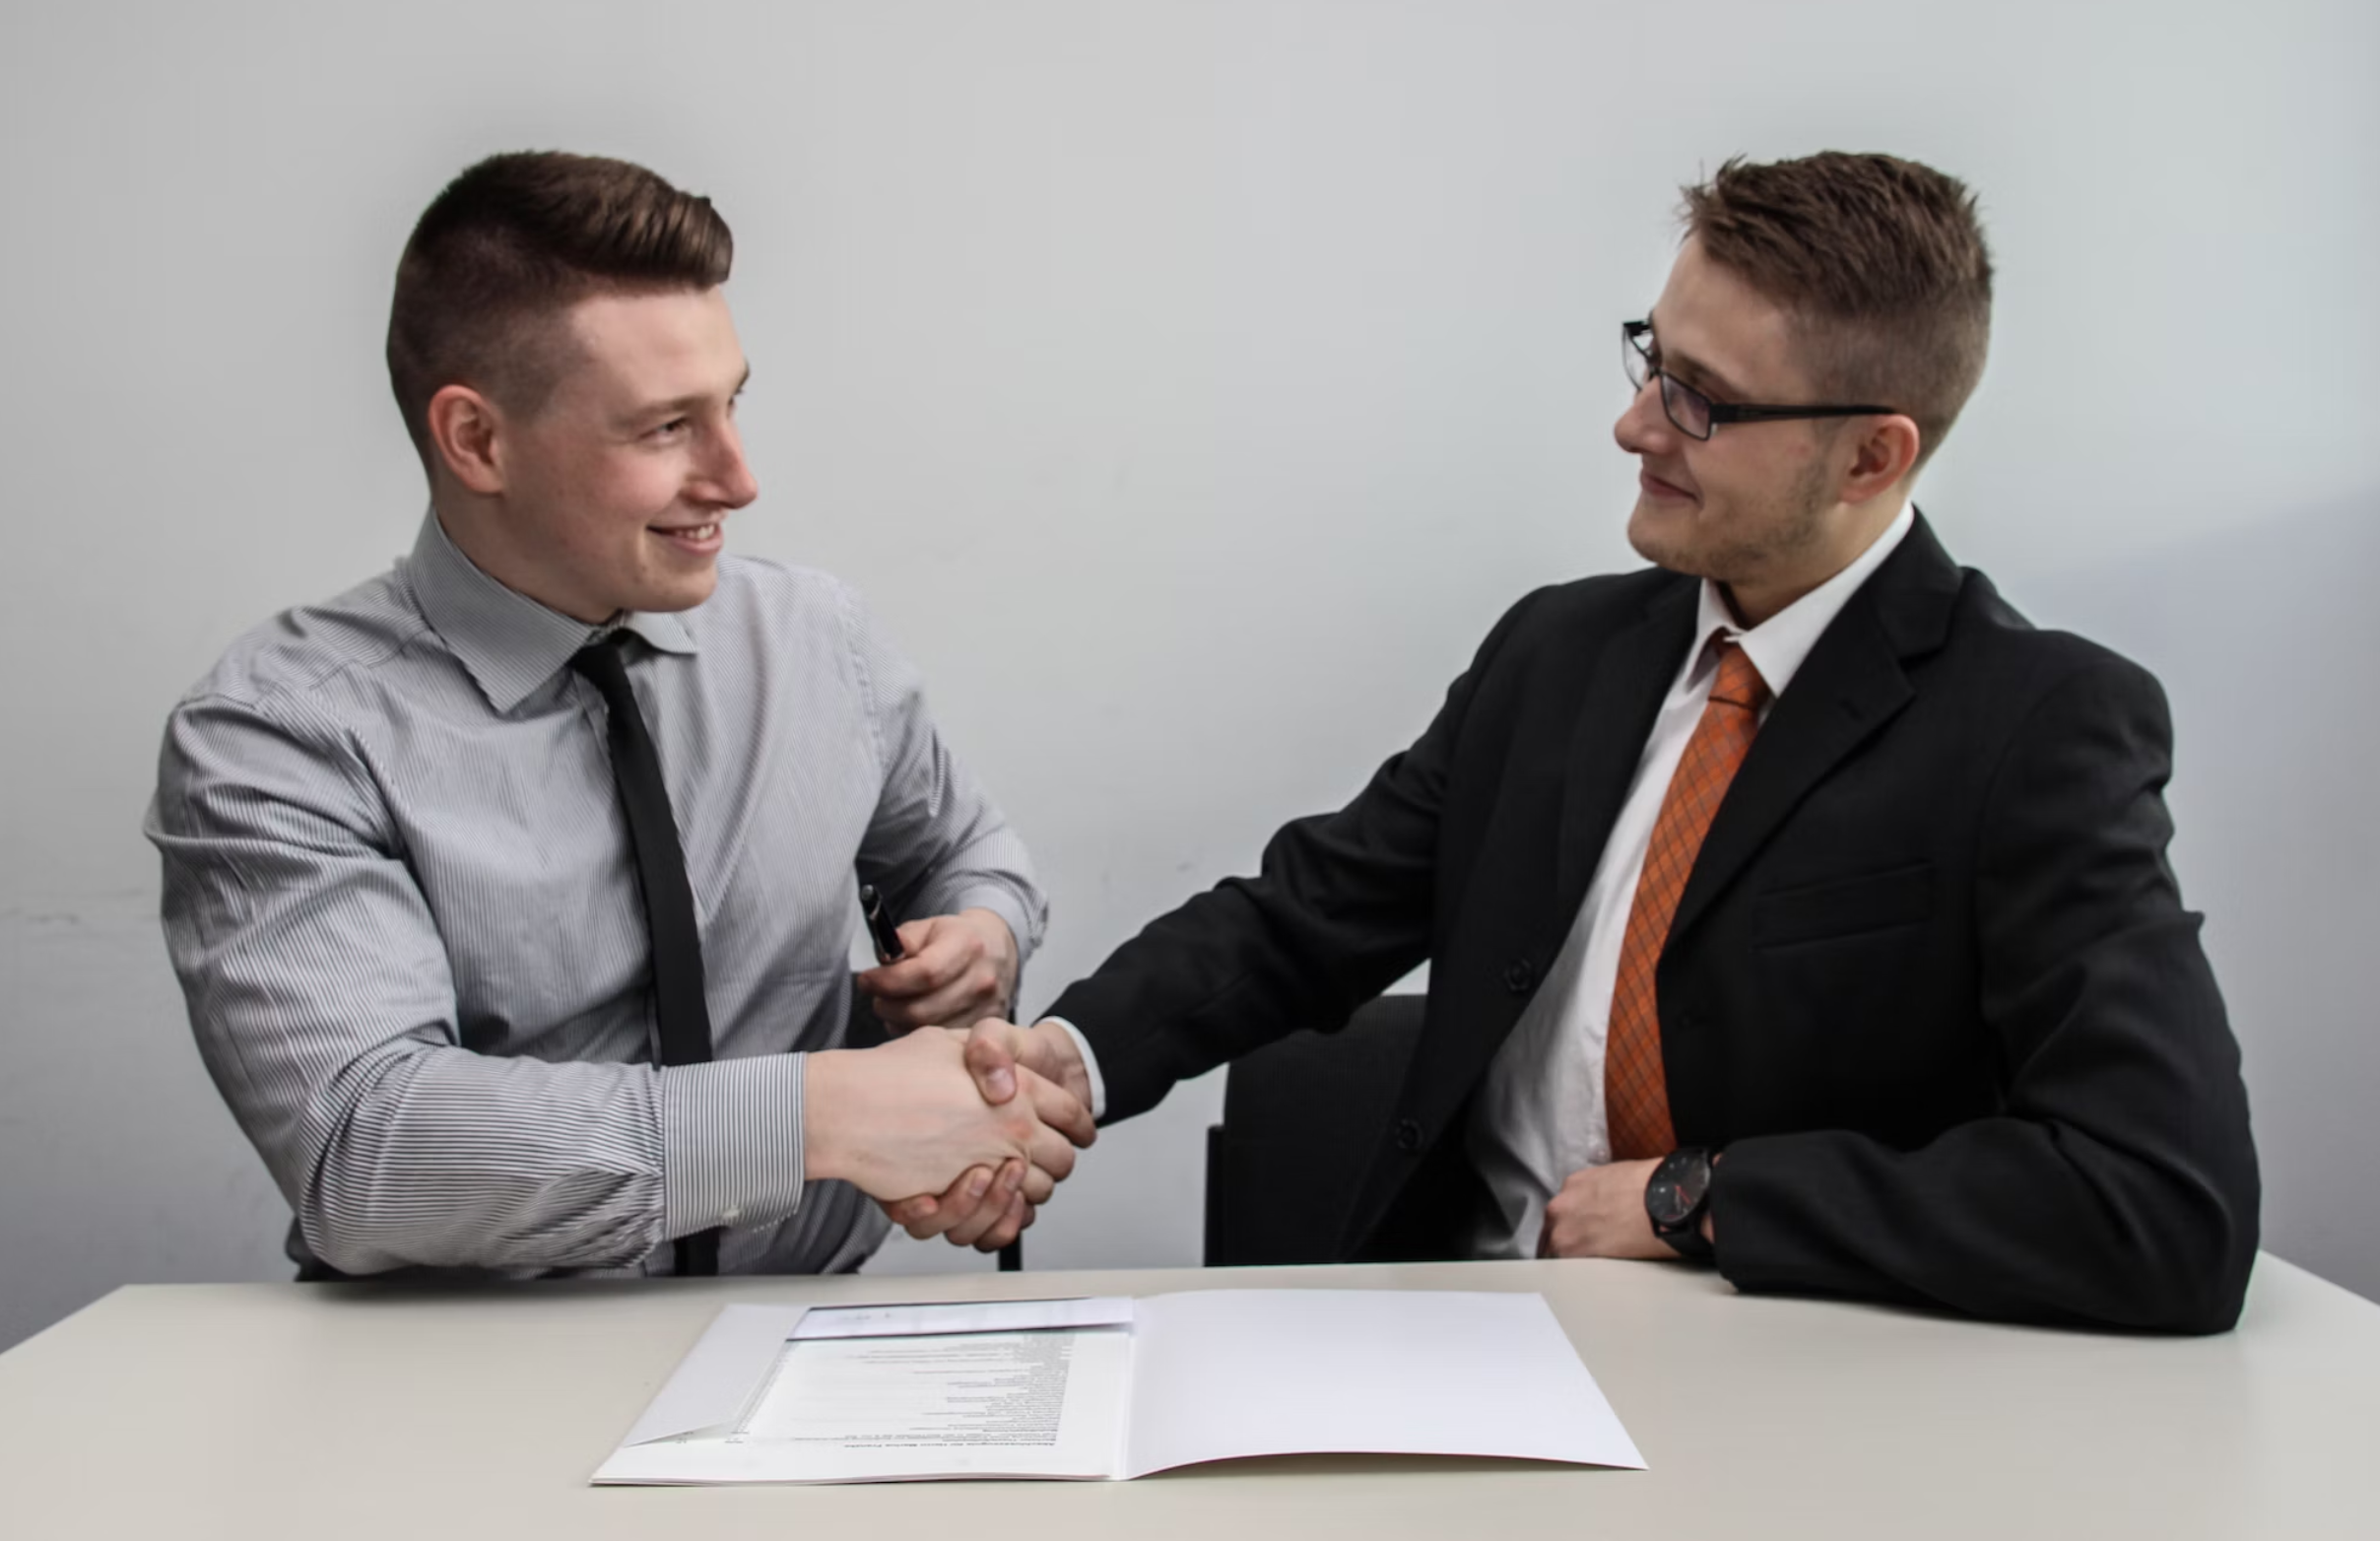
column 1600, row 1213
column 956, row 970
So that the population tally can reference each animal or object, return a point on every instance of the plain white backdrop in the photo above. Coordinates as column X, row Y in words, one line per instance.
column 1190, row 385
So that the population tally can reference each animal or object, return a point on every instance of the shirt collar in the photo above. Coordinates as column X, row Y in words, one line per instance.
column 509, row 644
column 1779, row 645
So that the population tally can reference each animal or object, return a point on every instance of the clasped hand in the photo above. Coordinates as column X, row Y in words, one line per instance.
column 944, row 1112
column 987, row 1207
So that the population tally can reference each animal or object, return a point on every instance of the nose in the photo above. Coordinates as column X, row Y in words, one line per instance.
column 731, row 484
column 1644, row 429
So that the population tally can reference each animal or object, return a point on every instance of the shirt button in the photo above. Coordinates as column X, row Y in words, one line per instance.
column 1519, row 975
column 1409, row 1136
column 730, row 1214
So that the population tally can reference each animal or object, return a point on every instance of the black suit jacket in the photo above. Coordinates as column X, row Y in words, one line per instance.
column 1931, row 985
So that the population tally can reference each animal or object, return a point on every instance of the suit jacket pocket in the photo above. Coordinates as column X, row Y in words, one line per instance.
column 1844, row 907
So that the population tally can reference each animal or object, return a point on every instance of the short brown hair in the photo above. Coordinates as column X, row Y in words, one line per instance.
column 513, row 241
column 1881, row 264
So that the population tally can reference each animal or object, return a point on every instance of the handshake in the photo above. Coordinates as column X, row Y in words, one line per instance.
column 957, row 1132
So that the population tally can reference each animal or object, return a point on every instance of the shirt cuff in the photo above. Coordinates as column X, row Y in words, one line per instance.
column 1091, row 1067
column 731, row 1143
column 1003, row 902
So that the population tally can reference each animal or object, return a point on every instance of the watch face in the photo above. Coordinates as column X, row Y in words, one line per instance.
column 1677, row 1187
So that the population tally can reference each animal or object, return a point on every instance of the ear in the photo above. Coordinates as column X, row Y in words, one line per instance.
column 1887, row 451
column 466, row 429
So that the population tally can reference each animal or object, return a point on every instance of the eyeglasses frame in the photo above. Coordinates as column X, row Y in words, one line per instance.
column 1721, row 413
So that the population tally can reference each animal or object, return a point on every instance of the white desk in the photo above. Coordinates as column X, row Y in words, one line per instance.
column 332, row 1412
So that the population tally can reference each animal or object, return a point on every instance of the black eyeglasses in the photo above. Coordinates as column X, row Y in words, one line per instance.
column 1692, row 413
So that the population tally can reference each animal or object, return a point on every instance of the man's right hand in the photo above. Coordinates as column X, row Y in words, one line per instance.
column 917, row 1116
column 984, row 1209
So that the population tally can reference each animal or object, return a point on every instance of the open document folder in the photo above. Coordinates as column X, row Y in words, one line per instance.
column 1114, row 1389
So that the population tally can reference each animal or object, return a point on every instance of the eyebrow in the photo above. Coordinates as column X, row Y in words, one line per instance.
column 680, row 405
column 1689, row 365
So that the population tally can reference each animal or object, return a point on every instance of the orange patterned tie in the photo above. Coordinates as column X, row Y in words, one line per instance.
column 1637, row 1092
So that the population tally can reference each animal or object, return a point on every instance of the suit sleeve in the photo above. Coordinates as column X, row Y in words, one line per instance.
column 2118, row 1186
column 1339, row 908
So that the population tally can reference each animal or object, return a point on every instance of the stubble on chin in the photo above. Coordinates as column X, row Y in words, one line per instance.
column 1647, row 540
column 1777, row 534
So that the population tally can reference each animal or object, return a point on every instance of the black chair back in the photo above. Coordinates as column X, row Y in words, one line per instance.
column 1302, row 1118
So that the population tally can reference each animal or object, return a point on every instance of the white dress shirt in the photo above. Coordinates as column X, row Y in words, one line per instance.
column 1540, row 1117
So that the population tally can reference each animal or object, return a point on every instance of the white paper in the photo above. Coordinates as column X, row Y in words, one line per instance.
column 1219, row 1373
column 894, row 1321
column 1063, row 1388
column 875, row 1408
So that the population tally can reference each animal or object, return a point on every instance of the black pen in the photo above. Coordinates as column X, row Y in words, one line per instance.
column 881, row 928
column 886, row 935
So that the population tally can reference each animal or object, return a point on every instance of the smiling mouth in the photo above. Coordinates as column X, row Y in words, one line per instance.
column 695, row 532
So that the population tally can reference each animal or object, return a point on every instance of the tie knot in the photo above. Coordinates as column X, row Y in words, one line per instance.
column 604, row 663
column 1738, row 683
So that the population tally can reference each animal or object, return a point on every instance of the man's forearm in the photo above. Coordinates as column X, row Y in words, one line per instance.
column 449, row 1158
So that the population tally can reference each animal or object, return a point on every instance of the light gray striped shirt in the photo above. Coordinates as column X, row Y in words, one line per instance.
column 399, row 892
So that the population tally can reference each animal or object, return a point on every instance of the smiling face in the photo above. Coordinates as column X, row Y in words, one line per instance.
column 1757, row 506
column 613, row 493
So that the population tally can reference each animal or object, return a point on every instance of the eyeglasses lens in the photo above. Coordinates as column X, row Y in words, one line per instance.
column 1688, row 408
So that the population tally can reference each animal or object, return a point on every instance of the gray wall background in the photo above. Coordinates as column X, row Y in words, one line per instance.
column 1191, row 385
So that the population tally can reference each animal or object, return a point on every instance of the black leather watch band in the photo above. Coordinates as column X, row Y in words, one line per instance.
column 1691, row 1242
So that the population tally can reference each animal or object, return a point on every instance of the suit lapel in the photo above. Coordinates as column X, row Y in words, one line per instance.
column 1615, row 718
column 1849, row 687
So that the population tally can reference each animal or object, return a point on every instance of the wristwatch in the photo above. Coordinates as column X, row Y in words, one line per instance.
column 1677, row 1195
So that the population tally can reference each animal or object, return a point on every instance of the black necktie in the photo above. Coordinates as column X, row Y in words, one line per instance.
column 669, row 902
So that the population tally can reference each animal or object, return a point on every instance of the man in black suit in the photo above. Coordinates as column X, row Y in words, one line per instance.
column 1793, row 905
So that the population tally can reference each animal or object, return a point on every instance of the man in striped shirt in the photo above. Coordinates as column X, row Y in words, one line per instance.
column 418, row 942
